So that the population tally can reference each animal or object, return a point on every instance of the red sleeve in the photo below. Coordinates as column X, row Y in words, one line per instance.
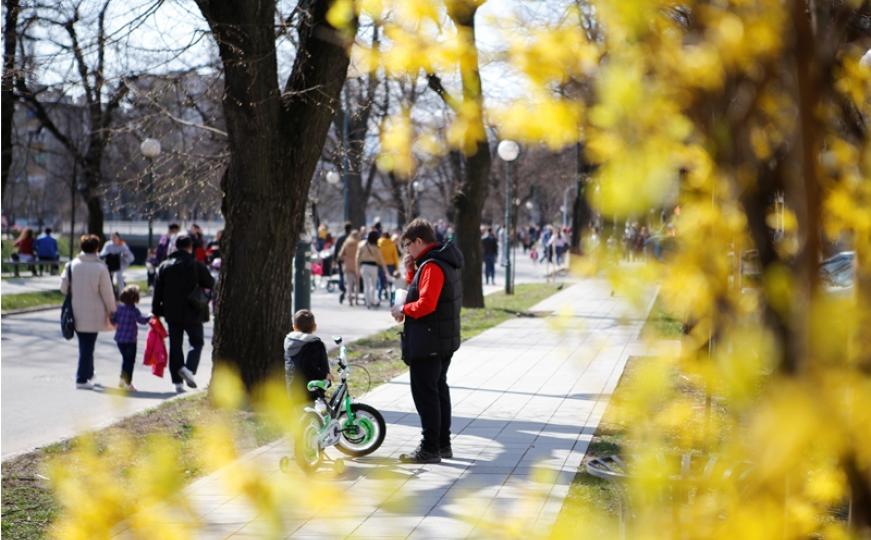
column 432, row 280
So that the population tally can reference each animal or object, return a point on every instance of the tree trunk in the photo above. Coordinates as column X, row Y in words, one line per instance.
column 95, row 214
column 275, row 143
column 469, row 200
column 7, row 101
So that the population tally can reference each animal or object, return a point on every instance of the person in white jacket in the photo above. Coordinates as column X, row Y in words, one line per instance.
column 93, row 303
column 117, row 247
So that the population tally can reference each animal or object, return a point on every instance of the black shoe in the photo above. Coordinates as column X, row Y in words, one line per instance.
column 446, row 452
column 342, row 298
column 420, row 456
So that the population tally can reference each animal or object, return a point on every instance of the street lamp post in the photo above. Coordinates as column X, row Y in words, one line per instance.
column 565, row 206
column 150, row 148
column 508, row 150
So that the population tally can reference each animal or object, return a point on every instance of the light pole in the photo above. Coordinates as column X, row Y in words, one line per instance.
column 508, row 150
column 565, row 206
column 150, row 148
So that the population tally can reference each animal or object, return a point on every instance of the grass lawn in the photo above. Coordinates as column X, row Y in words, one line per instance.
column 589, row 493
column 47, row 299
column 28, row 507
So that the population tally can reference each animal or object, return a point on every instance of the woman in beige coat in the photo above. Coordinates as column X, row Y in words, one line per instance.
column 93, row 303
column 348, row 256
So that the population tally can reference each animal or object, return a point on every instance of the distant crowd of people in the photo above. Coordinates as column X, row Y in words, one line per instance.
column 365, row 261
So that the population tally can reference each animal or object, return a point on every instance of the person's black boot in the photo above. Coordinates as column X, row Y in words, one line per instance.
column 342, row 298
column 445, row 452
column 420, row 456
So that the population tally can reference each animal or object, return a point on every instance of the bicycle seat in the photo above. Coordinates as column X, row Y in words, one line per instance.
column 322, row 384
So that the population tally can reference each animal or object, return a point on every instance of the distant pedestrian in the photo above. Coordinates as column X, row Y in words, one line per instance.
column 93, row 303
column 213, row 248
column 166, row 244
column 25, row 248
column 369, row 261
column 490, row 250
column 196, row 234
column 151, row 264
column 117, row 255
column 46, row 250
column 125, row 319
column 348, row 256
column 174, row 299
column 336, row 249
column 391, row 261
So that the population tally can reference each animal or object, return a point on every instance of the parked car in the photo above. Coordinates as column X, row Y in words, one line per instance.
column 839, row 270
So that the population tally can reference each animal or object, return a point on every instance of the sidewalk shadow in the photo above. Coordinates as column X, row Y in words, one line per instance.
column 139, row 394
column 522, row 444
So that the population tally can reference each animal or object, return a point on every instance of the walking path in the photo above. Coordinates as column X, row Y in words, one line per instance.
column 21, row 285
column 527, row 395
column 40, row 404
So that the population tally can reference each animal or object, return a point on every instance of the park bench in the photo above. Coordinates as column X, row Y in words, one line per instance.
column 36, row 266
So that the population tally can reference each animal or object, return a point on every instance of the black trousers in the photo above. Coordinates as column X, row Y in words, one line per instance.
column 432, row 399
column 176, row 348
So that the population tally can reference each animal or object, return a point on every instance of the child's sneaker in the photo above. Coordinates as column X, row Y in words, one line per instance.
column 126, row 386
column 179, row 388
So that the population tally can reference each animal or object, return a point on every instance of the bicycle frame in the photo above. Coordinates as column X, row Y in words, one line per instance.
column 340, row 401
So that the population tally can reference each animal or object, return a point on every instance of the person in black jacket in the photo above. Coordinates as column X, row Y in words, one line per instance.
column 431, row 334
column 177, row 278
column 490, row 249
column 305, row 358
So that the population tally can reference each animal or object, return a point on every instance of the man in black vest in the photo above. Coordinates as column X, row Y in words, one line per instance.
column 431, row 335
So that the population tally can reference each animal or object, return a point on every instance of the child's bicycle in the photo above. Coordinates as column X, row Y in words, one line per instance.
column 355, row 429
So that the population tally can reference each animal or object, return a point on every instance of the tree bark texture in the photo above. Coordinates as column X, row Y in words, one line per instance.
column 7, row 101
column 275, row 139
column 469, row 199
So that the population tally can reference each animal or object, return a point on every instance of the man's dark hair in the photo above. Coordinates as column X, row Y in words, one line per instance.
column 183, row 241
column 130, row 295
column 304, row 321
column 89, row 243
column 348, row 227
column 48, row 230
column 372, row 237
column 419, row 228
column 174, row 227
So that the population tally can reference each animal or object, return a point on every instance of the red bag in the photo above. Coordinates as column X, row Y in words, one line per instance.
column 155, row 348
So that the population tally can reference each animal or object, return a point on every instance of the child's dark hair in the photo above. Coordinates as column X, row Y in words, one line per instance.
column 304, row 321
column 130, row 295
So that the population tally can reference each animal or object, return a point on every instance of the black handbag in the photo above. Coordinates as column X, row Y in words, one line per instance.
column 67, row 320
column 198, row 299
column 113, row 262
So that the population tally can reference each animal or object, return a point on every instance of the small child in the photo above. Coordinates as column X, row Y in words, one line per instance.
column 125, row 319
column 305, row 358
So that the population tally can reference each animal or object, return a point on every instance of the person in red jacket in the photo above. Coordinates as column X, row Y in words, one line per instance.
column 431, row 334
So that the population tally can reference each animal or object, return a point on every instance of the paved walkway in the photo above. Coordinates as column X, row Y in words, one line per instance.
column 40, row 404
column 527, row 394
column 30, row 284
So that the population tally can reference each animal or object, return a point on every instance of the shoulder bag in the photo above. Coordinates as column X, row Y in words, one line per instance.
column 67, row 320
